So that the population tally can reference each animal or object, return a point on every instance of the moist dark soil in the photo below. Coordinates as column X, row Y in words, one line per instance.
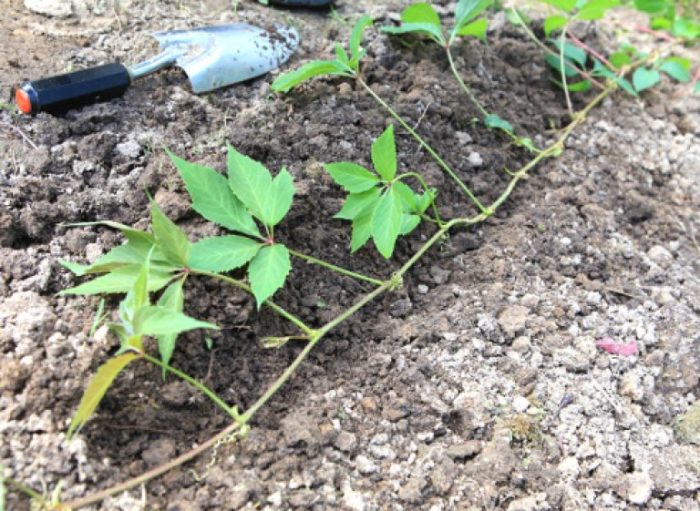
column 477, row 385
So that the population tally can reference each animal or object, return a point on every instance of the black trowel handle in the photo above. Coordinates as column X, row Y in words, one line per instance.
column 59, row 93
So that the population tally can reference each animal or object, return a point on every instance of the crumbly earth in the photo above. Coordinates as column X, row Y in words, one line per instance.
column 478, row 385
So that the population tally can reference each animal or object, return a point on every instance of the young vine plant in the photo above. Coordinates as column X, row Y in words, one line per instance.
column 151, row 269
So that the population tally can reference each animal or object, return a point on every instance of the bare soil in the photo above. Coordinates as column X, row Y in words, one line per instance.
column 478, row 385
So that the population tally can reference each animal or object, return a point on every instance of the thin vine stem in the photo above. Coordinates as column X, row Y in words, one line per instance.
column 245, row 287
column 198, row 385
column 465, row 87
column 547, row 49
column 565, row 86
column 426, row 146
column 30, row 492
column 515, row 138
column 333, row 267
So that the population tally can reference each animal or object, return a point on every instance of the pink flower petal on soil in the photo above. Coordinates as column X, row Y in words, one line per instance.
column 616, row 348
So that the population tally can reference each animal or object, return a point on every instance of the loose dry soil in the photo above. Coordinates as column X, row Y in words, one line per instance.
column 478, row 385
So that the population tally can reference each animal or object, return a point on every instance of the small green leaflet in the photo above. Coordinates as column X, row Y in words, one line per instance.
column 213, row 199
column 475, row 29
column 358, row 31
column 268, row 270
column 357, row 204
column 267, row 199
column 137, row 297
column 554, row 23
column 696, row 89
column 155, row 320
column 644, row 78
column 287, row 81
column 420, row 18
column 493, row 121
column 352, row 177
column 120, row 280
column 222, row 253
column 651, row 6
column 677, row 68
column 386, row 222
column 361, row 230
column 169, row 237
column 96, row 389
column 173, row 299
column 281, row 197
column 466, row 11
column 384, row 154
column 408, row 224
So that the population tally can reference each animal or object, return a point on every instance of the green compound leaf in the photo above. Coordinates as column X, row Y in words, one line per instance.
column 677, row 68
column 213, row 199
column 384, row 154
column 287, row 81
column 358, row 31
column 493, row 121
column 268, row 271
column 554, row 23
column 120, row 280
column 155, row 320
column 170, row 238
column 466, row 11
column 223, row 253
column 173, row 299
column 96, row 389
column 386, row 222
column 352, row 177
column 644, row 78
column 267, row 199
column 357, row 204
column 476, row 29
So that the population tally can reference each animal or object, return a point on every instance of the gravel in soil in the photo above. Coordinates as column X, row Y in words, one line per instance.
column 478, row 385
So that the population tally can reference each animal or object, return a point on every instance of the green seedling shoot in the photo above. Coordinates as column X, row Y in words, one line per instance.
column 379, row 204
column 348, row 66
column 421, row 19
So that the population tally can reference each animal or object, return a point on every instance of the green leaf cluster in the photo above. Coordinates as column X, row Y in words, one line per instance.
column 138, row 318
column 667, row 16
column 379, row 205
column 422, row 19
column 247, row 199
column 346, row 62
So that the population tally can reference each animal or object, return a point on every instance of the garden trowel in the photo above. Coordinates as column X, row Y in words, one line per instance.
column 212, row 57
